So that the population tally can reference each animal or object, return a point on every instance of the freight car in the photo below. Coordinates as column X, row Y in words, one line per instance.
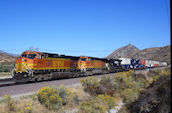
column 137, row 64
column 37, row 66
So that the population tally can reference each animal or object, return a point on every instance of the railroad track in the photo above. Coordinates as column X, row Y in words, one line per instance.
column 6, row 82
column 9, row 81
column 13, row 89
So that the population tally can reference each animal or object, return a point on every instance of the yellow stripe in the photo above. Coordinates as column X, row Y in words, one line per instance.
column 49, row 68
column 57, row 59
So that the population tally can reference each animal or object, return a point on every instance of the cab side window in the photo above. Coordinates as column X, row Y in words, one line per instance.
column 41, row 56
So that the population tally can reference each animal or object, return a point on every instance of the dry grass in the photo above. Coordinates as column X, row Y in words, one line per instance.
column 25, row 106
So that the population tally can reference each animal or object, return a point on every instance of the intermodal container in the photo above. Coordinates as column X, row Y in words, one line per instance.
column 125, row 61
column 149, row 63
column 143, row 62
column 156, row 63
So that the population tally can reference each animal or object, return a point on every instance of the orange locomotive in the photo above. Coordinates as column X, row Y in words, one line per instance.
column 38, row 66
column 92, row 65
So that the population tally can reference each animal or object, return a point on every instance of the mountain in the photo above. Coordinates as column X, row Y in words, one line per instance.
column 6, row 58
column 154, row 53
column 124, row 52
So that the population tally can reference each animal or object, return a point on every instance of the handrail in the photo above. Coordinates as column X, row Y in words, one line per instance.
column 28, row 69
column 13, row 71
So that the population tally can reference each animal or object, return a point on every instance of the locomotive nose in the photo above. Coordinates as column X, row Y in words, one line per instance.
column 22, row 64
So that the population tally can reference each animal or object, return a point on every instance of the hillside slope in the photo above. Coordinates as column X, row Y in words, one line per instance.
column 6, row 58
column 156, row 53
column 124, row 52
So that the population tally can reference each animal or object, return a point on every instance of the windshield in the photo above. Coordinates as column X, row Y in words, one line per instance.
column 31, row 56
column 24, row 55
column 83, row 59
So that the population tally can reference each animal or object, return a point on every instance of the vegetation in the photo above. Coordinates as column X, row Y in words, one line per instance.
column 123, row 84
column 6, row 68
column 53, row 98
column 91, row 85
column 127, row 85
column 100, row 104
column 155, row 99
column 10, row 103
column 50, row 98
column 138, row 91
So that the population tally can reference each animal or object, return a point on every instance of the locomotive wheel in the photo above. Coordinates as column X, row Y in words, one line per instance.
column 50, row 76
column 33, row 79
column 22, row 78
column 39, row 78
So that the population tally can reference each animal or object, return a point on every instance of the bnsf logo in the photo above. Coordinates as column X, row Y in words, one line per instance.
column 58, row 63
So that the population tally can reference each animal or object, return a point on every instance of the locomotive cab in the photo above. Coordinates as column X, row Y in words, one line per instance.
column 24, row 65
column 82, row 63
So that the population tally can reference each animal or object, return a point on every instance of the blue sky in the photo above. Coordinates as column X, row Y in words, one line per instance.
column 83, row 27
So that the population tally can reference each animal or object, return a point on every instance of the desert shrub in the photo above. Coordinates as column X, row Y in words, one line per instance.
column 156, row 74
column 92, row 106
column 107, row 100
column 50, row 98
column 124, row 81
column 130, row 94
column 108, row 85
column 166, row 71
column 91, row 85
column 128, row 87
column 142, row 80
column 153, row 73
column 155, row 78
column 10, row 103
column 100, row 104
column 64, row 93
column 130, row 73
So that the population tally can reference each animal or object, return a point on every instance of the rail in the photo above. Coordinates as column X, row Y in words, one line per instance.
column 6, row 82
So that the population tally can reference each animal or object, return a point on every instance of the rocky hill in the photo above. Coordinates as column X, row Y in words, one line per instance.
column 155, row 53
column 124, row 52
column 6, row 58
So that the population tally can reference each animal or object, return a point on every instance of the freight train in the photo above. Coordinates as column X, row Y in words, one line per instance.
column 34, row 66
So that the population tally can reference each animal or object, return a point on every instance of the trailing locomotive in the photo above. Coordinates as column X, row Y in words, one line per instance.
column 38, row 66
